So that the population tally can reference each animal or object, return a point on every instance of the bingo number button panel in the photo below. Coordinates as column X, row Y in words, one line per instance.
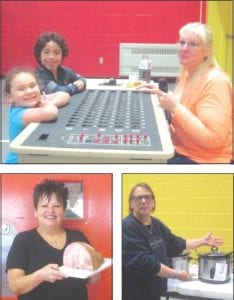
column 102, row 119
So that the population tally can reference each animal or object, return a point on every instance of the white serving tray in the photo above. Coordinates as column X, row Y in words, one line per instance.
column 79, row 273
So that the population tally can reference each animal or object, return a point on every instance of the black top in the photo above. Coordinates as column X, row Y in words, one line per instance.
column 63, row 83
column 31, row 252
column 144, row 249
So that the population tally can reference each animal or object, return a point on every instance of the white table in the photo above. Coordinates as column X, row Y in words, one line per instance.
column 206, row 290
column 197, row 288
column 30, row 154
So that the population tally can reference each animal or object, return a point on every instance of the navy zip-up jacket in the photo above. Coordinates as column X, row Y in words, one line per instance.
column 144, row 249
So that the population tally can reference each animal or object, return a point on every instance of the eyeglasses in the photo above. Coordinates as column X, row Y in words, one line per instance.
column 139, row 198
column 190, row 45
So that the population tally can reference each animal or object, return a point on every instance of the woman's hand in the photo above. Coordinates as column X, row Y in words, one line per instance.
column 21, row 283
column 183, row 276
column 51, row 273
column 148, row 88
column 166, row 101
column 209, row 240
column 166, row 272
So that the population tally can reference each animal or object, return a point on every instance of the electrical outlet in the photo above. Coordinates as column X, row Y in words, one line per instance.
column 101, row 60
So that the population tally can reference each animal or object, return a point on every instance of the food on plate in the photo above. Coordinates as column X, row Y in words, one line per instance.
column 80, row 255
column 135, row 84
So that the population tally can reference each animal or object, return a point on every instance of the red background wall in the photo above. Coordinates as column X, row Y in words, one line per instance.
column 92, row 29
column 18, row 211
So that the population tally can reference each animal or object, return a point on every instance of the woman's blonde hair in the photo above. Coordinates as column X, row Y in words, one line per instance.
column 205, row 35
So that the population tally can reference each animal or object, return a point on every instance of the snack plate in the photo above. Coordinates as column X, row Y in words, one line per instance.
column 79, row 273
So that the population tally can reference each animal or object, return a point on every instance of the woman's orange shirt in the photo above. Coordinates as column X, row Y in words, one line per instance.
column 201, row 128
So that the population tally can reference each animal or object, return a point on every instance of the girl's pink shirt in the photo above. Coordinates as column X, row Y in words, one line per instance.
column 201, row 128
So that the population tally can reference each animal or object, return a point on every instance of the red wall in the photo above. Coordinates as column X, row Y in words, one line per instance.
column 92, row 29
column 18, row 212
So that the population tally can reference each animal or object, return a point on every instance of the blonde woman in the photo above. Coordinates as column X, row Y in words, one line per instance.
column 201, row 105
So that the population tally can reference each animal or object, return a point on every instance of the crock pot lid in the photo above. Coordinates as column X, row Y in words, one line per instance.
column 215, row 254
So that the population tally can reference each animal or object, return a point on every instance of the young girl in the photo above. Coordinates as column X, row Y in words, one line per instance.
column 50, row 50
column 27, row 104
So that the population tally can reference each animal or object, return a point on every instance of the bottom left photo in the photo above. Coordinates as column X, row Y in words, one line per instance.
column 57, row 236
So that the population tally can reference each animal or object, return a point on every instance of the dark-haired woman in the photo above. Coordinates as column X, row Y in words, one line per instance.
column 147, row 243
column 50, row 50
column 35, row 255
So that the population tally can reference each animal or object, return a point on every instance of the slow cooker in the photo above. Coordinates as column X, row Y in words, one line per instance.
column 215, row 266
column 180, row 262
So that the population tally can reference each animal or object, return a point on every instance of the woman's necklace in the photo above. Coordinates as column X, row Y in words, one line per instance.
column 149, row 228
column 55, row 241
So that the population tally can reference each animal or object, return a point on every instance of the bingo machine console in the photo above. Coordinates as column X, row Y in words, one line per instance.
column 99, row 126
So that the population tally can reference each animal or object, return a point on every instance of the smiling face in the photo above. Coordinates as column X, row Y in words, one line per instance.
column 24, row 91
column 142, row 203
column 50, row 211
column 51, row 57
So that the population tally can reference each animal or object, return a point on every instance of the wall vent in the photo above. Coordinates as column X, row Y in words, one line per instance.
column 164, row 58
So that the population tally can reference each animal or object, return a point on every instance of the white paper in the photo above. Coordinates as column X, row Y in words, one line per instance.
column 220, row 271
column 79, row 273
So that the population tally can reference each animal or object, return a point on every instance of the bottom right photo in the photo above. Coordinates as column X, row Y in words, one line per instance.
column 177, row 236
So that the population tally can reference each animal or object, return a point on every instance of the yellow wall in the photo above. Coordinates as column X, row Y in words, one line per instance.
column 191, row 205
column 219, row 17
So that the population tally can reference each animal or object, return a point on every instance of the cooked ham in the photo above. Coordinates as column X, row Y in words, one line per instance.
column 79, row 255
